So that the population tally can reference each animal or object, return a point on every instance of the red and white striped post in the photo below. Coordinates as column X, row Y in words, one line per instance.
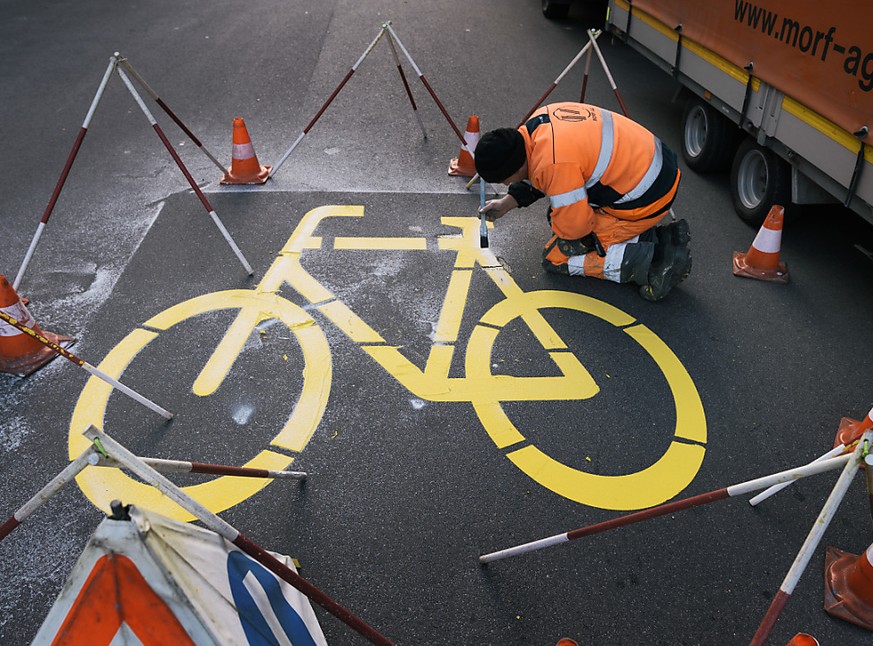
column 427, row 86
column 405, row 84
column 65, row 172
column 678, row 505
column 182, row 466
column 139, row 79
column 551, row 88
column 593, row 39
column 330, row 99
column 182, row 167
column 55, row 484
column 66, row 354
column 812, row 540
column 231, row 534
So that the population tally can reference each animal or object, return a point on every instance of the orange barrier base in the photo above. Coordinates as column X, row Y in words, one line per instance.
column 260, row 177
column 28, row 364
column 839, row 600
column 742, row 268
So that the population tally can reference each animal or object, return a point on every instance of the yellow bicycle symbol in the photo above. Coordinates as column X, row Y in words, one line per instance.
column 487, row 392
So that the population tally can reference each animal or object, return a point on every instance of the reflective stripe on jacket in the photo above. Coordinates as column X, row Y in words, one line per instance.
column 583, row 157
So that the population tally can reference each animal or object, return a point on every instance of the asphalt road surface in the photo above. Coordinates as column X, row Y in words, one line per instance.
column 447, row 401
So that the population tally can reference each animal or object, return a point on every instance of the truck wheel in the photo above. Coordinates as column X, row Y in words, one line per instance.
column 709, row 139
column 759, row 179
column 553, row 9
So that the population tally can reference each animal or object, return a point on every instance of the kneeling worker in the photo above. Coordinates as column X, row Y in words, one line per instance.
column 609, row 181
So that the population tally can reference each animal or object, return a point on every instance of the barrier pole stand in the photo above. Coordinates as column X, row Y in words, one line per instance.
column 182, row 167
column 233, row 535
column 181, row 466
column 603, row 64
column 55, row 484
column 139, row 79
column 405, row 83
column 585, row 77
column 433, row 95
column 560, row 76
column 66, row 354
column 330, row 99
column 812, row 540
column 678, row 505
column 550, row 89
column 839, row 450
column 65, row 172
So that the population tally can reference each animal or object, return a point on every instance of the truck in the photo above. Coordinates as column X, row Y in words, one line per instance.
column 778, row 92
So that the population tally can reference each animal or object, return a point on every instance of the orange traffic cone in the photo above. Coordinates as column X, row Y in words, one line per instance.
column 802, row 639
column 851, row 430
column 762, row 260
column 244, row 168
column 566, row 641
column 21, row 354
column 463, row 166
column 849, row 586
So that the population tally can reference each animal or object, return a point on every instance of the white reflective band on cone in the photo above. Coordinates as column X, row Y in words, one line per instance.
column 768, row 240
column 243, row 151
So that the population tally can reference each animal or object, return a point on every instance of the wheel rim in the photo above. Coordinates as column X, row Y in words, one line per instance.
column 695, row 131
column 752, row 179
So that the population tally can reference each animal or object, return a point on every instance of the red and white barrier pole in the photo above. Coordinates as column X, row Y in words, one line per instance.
column 585, row 77
column 550, row 89
column 182, row 466
column 812, row 540
column 65, row 172
column 55, row 484
column 330, row 99
column 761, row 497
column 231, row 534
column 405, row 84
column 678, row 505
column 139, row 79
column 181, row 165
column 66, row 354
column 593, row 39
column 433, row 95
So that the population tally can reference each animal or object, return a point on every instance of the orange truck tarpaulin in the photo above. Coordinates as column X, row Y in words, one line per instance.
column 818, row 53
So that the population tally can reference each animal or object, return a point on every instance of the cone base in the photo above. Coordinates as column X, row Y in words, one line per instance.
column 744, row 269
column 847, row 433
column 457, row 169
column 839, row 601
column 26, row 365
column 260, row 177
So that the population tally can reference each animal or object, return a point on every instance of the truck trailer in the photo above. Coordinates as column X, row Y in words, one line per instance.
column 779, row 92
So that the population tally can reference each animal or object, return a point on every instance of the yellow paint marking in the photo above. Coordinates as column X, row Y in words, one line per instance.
column 639, row 490
column 690, row 420
column 103, row 485
column 349, row 322
column 453, row 307
column 401, row 244
column 669, row 474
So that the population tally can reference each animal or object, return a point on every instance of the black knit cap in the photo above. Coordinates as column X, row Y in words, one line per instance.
column 499, row 154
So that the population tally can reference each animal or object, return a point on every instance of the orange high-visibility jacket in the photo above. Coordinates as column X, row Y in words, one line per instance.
column 583, row 157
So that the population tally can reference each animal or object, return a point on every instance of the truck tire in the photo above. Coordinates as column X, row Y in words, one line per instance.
column 759, row 179
column 555, row 9
column 709, row 139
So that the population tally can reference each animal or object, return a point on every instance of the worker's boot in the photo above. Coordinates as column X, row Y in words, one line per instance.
column 636, row 262
column 671, row 262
